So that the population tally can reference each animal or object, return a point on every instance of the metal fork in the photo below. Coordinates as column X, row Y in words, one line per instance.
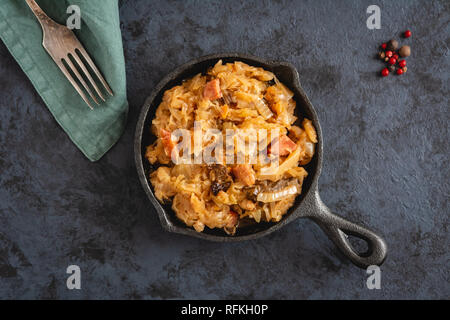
column 61, row 43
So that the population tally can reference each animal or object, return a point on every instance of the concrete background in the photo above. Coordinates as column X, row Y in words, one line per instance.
column 385, row 162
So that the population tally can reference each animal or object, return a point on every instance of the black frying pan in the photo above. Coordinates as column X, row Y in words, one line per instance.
column 307, row 205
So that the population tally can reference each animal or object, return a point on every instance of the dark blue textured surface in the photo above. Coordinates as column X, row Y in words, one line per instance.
column 385, row 162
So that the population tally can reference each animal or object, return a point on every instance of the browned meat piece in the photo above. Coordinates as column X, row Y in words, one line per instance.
column 283, row 146
column 212, row 90
column 245, row 173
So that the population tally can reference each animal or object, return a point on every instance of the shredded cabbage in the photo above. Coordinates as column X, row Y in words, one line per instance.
column 249, row 98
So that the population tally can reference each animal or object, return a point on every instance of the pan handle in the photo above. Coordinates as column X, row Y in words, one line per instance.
column 337, row 229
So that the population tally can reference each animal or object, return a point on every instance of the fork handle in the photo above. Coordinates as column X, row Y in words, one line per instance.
column 43, row 19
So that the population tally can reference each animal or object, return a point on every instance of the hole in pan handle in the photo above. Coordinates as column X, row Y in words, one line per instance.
column 337, row 229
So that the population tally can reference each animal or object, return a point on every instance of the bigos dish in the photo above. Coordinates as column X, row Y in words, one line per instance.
column 249, row 107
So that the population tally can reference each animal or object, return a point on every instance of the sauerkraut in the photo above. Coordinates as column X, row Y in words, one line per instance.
column 221, row 194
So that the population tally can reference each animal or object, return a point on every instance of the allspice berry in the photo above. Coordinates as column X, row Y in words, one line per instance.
column 381, row 55
column 405, row 51
column 392, row 45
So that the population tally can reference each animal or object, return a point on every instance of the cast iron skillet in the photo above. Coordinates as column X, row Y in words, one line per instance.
column 307, row 205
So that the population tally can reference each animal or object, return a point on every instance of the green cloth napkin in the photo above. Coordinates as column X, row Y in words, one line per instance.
column 93, row 131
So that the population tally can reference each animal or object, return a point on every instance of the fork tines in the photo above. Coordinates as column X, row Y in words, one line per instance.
column 67, row 66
